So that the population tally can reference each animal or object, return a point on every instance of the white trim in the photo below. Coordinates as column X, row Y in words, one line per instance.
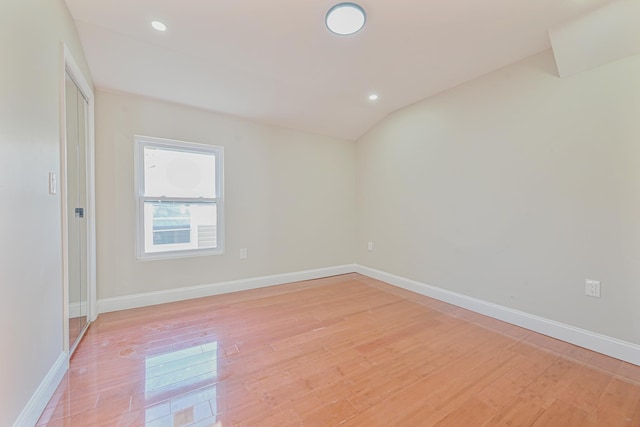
column 610, row 346
column 142, row 229
column 63, row 199
column 38, row 402
column 171, row 295
column 71, row 66
column 604, row 344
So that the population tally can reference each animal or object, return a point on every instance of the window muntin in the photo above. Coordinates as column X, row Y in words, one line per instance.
column 179, row 198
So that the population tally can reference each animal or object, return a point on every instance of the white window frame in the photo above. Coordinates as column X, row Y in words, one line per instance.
column 140, row 142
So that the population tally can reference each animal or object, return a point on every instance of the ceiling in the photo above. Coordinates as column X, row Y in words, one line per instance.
column 275, row 62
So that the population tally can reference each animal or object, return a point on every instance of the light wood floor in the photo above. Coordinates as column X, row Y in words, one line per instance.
column 346, row 350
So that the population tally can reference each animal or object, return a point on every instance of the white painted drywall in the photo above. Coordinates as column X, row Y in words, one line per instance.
column 31, row 306
column 609, row 33
column 289, row 197
column 514, row 188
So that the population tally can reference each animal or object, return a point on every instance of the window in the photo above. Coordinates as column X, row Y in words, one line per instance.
column 180, row 204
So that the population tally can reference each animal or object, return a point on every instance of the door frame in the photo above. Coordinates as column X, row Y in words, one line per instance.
column 70, row 66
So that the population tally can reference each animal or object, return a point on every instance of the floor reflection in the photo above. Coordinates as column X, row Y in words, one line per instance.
column 178, row 386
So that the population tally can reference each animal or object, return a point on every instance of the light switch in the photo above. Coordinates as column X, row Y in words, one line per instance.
column 53, row 183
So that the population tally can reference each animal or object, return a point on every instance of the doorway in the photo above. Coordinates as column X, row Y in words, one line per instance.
column 78, row 217
column 76, row 190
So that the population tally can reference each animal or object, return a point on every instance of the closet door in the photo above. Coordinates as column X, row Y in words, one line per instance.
column 76, row 190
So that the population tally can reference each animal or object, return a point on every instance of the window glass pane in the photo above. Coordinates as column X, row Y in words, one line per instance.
column 171, row 223
column 174, row 226
column 174, row 173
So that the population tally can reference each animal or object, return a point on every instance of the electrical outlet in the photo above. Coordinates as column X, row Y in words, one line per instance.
column 243, row 253
column 592, row 288
column 370, row 246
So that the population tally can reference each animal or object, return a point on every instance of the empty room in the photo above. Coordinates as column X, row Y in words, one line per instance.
column 320, row 213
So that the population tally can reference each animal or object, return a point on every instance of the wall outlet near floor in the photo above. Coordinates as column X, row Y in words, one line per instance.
column 592, row 288
column 370, row 246
column 243, row 253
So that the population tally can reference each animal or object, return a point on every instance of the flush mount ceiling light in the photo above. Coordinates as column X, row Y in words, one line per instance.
column 373, row 97
column 159, row 26
column 345, row 18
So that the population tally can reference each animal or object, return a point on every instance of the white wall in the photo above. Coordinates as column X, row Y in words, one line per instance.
column 290, row 197
column 514, row 188
column 31, row 33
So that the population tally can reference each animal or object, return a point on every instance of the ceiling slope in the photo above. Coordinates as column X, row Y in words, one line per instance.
column 275, row 62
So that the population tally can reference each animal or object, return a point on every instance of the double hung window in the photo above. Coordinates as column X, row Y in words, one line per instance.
column 179, row 197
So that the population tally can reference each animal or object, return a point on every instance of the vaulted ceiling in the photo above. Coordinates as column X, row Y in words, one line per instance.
column 276, row 62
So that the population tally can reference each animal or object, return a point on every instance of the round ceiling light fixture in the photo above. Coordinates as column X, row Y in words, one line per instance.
column 345, row 19
column 158, row 26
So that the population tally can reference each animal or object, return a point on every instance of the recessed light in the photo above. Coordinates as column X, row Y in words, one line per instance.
column 158, row 26
column 373, row 97
column 345, row 18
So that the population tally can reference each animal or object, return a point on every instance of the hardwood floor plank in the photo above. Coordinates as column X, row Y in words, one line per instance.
column 547, row 386
column 618, row 404
column 562, row 415
column 521, row 412
column 472, row 413
column 347, row 350
column 584, row 391
column 501, row 392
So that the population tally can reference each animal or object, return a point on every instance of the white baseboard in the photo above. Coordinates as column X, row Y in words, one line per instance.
column 152, row 298
column 610, row 346
column 77, row 309
column 613, row 347
column 32, row 411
